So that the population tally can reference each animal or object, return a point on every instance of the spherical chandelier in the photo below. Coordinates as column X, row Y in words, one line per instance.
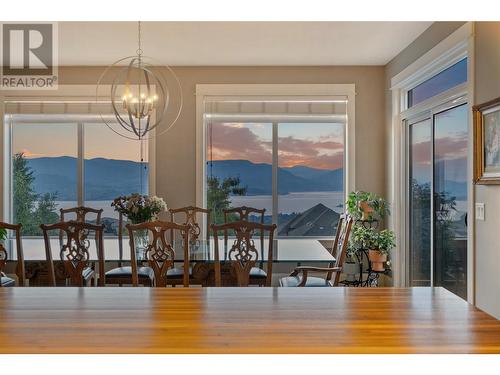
column 145, row 97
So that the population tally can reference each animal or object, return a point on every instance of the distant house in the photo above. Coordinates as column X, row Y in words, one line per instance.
column 316, row 221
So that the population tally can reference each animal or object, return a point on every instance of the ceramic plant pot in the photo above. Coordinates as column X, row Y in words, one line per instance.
column 378, row 260
column 367, row 211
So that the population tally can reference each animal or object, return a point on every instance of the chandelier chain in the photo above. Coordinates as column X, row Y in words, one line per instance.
column 139, row 37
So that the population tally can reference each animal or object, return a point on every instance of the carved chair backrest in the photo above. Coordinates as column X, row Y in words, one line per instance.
column 20, row 272
column 189, row 216
column 243, row 254
column 74, row 250
column 160, row 250
column 243, row 214
column 340, row 245
column 80, row 214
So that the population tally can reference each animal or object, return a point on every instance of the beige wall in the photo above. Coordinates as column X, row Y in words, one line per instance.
column 487, row 87
column 175, row 150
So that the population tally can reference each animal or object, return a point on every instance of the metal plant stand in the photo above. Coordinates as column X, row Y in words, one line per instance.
column 372, row 277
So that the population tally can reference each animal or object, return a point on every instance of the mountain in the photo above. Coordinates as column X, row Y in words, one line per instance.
column 258, row 177
column 105, row 179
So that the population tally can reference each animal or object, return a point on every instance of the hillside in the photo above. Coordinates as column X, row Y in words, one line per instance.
column 257, row 177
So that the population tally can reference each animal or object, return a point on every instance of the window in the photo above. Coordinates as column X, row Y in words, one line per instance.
column 285, row 155
column 65, row 160
column 112, row 167
column 447, row 79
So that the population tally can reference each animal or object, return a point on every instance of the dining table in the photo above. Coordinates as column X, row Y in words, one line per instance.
column 287, row 251
column 242, row 320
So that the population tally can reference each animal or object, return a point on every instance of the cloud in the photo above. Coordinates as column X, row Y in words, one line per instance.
column 236, row 142
column 449, row 148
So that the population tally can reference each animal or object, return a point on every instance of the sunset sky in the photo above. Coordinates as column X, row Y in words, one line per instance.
column 313, row 145
column 37, row 140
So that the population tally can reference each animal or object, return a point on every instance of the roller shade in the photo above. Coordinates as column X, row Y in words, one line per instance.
column 43, row 107
column 276, row 109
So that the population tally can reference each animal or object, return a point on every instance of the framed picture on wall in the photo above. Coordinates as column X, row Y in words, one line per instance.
column 487, row 142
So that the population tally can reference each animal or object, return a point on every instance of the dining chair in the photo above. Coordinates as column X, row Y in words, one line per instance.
column 80, row 214
column 74, row 252
column 159, row 253
column 243, row 214
column 20, row 272
column 188, row 215
column 300, row 276
column 243, row 256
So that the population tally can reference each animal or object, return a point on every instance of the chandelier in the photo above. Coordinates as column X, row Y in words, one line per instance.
column 143, row 95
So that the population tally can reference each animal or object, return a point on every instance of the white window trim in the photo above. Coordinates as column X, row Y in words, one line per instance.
column 452, row 49
column 303, row 90
column 65, row 94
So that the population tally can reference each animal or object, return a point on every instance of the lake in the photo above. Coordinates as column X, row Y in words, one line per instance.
column 293, row 202
column 287, row 204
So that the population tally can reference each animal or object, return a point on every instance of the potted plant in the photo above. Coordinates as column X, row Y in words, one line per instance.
column 139, row 209
column 382, row 243
column 3, row 234
column 365, row 206
column 363, row 237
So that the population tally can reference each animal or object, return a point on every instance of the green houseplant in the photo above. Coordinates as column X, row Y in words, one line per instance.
column 382, row 243
column 3, row 234
column 366, row 206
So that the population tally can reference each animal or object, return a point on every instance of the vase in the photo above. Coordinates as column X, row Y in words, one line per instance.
column 377, row 260
column 141, row 242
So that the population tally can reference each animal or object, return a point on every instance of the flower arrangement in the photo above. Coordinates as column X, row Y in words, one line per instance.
column 139, row 208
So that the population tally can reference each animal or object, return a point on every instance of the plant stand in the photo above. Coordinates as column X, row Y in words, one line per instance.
column 367, row 277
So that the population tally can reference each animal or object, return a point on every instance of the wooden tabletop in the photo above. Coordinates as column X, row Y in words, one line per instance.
column 247, row 320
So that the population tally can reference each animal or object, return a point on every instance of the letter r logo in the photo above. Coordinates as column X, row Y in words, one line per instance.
column 27, row 49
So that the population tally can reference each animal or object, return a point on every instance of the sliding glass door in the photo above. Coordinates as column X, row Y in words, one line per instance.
column 450, row 199
column 420, row 181
column 437, row 199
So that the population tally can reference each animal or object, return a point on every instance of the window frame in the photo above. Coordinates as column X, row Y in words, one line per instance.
column 457, row 46
column 310, row 91
column 66, row 94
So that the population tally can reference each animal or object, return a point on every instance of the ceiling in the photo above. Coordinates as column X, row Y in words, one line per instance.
column 238, row 43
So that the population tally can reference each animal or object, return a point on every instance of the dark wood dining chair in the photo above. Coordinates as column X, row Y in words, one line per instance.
column 159, row 253
column 189, row 215
column 74, row 252
column 300, row 276
column 20, row 272
column 243, row 255
column 243, row 214
column 80, row 214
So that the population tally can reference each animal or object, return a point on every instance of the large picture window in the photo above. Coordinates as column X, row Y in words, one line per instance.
column 62, row 161
column 286, row 155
